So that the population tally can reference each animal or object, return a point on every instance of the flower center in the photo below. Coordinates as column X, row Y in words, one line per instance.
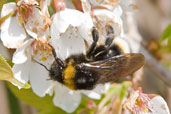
column 25, row 11
column 41, row 47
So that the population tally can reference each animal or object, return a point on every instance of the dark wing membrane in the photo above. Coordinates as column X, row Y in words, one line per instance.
column 116, row 67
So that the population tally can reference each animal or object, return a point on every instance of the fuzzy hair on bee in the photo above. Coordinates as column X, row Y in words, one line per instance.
column 101, row 64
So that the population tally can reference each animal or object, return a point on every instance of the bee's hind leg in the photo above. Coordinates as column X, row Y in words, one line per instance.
column 105, row 50
column 95, row 35
column 110, row 36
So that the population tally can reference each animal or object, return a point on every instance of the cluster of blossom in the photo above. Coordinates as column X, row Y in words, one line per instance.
column 121, row 102
column 141, row 103
column 32, row 28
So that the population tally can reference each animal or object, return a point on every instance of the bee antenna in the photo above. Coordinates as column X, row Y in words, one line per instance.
column 41, row 64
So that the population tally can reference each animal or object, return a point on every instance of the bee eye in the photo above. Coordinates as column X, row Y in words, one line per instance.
column 56, row 72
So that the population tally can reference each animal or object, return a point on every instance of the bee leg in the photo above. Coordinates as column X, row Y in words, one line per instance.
column 58, row 61
column 109, row 29
column 95, row 35
column 108, row 42
column 104, row 53
column 110, row 36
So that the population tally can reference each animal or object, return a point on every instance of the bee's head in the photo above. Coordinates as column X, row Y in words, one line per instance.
column 55, row 72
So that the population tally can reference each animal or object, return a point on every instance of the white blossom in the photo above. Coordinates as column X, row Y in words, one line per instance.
column 141, row 103
column 26, row 69
column 27, row 19
column 102, row 17
column 127, row 5
column 12, row 33
column 69, row 31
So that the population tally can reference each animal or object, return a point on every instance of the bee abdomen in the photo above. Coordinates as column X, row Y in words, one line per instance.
column 85, row 79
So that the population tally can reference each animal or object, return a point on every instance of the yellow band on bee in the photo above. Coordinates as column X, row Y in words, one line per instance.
column 69, row 74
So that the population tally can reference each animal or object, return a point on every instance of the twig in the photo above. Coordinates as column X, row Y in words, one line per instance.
column 156, row 67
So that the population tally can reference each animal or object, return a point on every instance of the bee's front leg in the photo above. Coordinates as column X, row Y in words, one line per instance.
column 58, row 61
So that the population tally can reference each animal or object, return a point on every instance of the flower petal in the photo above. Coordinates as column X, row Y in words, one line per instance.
column 21, row 54
column 109, row 4
column 38, row 24
column 123, row 44
column 21, row 71
column 7, row 8
column 66, row 99
column 159, row 106
column 39, row 76
column 22, row 62
column 31, row 2
column 85, row 28
column 63, row 19
column 97, row 91
column 105, row 17
column 129, row 5
column 39, row 80
column 12, row 33
column 71, row 16
column 86, row 6
column 69, row 43
column 92, row 94
column 118, row 11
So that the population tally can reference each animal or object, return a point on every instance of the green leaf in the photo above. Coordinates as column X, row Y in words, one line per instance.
column 124, row 92
column 124, row 89
column 12, row 0
column 169, row 41
column 5, row 70
column 166, row 33
column 52, row 112
column 44, row 104
column 7, row 74
column 29, row 97
column 15, row 81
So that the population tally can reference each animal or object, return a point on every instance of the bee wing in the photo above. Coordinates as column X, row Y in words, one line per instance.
column 116, row 67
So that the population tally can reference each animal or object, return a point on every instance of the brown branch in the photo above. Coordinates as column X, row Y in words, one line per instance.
column 4, row 105
column 156, row 67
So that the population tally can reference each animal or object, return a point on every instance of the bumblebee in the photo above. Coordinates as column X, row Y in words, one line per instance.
column 101, row 64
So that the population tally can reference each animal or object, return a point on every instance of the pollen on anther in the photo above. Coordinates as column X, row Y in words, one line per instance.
column 43, row 59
